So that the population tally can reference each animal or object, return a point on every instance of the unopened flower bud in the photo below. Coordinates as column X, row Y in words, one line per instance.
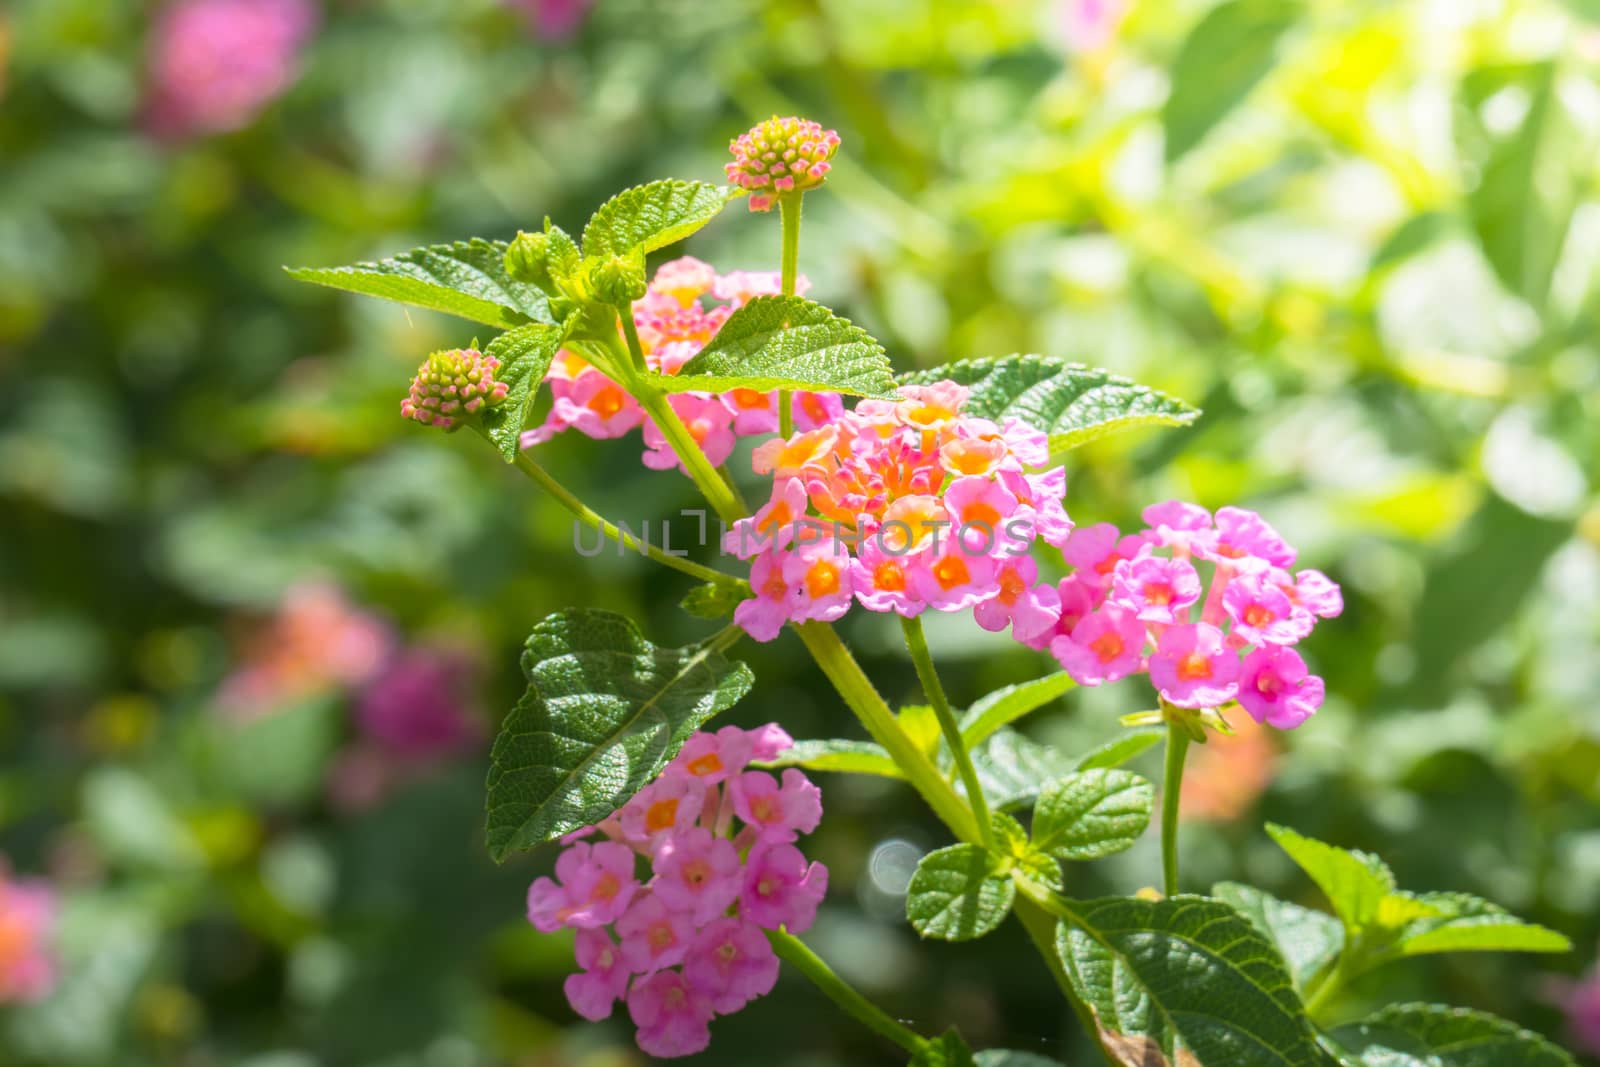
column 451, row 385
column 781, row 156
column 620, row 280
column 527, row 259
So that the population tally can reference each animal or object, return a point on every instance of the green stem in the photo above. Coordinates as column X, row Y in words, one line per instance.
column 595, row 521
column 1171, row 793
column 1041, row 926
column 794, row 952
column 631, row 332
column 863, row 699
column 789, row 212
column 1322, row 995
column 917, row 645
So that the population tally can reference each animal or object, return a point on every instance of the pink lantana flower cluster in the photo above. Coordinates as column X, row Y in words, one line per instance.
column 450, row 385
column 780, row 155
column 902, row 506
column 27, row 931
column 674, row 323
column 687, row 943
column 1138, row 603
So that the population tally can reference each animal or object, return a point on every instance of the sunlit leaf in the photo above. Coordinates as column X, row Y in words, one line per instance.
column 1355, row 883
column 651, row 216
column 786, row 342
column 1228, row 51
column 848, row 757
column 959, row 893
column 1309, row 940
column 1005, row 706
column 1432, row 1035
column 524, row 354
column 1091, row 814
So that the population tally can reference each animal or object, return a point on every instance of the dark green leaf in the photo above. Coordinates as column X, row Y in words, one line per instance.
column 959, row 893
column 946, row 1050
column 1309, row 940
column 1072, row 403
column 714, row 600
column 467, row 279
column 524, row 354
column 604, row 712
column 1005, row 706
column 1464, row 923
column 1432, row 1035
column 1229, row 50
column 1091, row 814
column 786, row 342
column 1195, row 969
column 651, row 216
column 1012, row 769
column 1532, row 183
column 850, row 757
column 1355, row 883
column 1123, row 747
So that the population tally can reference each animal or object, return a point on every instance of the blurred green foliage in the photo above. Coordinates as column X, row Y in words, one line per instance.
column 1361, row 234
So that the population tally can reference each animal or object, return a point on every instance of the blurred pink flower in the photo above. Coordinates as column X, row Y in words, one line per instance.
column 419, row 705
column 1091, row 24
column 316, row 642
column 1227, row 774
column 214, row 64
column 27, row 926
column 1580, row 1002
column 554, row 19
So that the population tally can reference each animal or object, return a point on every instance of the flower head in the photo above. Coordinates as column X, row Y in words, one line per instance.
column 672, row 1014
column 782, row 889
column 27, row 929
column 596, row 884
column 732, row 962
column 603, row 979
column 452, row 385
column 781, row 155
column 1275, row 687
column 1192, row 666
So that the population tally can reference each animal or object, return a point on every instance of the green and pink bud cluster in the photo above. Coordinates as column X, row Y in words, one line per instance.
column 450, row 385
column 781, row 155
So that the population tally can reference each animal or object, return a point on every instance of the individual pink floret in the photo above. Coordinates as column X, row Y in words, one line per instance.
column 672, row 1014
column 653, row 935
column 1262, row 613
column 714, row 758
column 1094, row 552
column 708, row 421
column 1177, row 525
column 1312, row 591
column 769, row 742
column 764, row 615
column 603, row 979
column 1244, row 539
column 699, row 874
column 1106, row 646
column 882, row 580
column 732, row 962
column 781, row 889
column 596, row 884
column 1275, row 687
column 979, row 507
column 1155, row 589
column 949, row 579
column 667, row 806
column 1193, row 667
column 818, row 574
column 778, row 813
column 1030, row 609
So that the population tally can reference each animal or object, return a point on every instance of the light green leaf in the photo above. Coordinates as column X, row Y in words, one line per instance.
column 786, row 342
column 1091, row 814
column 1461, row 922
column 714, row 600
column 1191, row 968
column 1432, row 1035
column 1005, row 1058
column 604, row 711
column 1123, row 1009
column 1005, row 706
column 524, row 354
column 651, row 216
column 1532, row 183
column 1123, row 747
column 848, row 757
column 946, row 1050
column 1309, row 940
column 1072, row 403
column 1355, row 882
column 467, row 279
column 1012, row 769
column 959, row 893
column 1229, row 50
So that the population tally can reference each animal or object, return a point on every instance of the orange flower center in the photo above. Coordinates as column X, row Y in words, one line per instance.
column 609, row 885
column 1256, row 615
column 984, row 514
column 710, row 763
column 661, row 937
column 889, row 576
column 822, row 579
column 951, row 571
column 1194, row 666
column 661, row 815
column 607, row 402
column 1011, row 587
column 1108, row 646
column 1158, row 593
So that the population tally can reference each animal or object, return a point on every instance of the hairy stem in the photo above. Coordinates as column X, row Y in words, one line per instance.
column 917, row 645
column 789, row 212
column 796, row 954
column 1171, row 793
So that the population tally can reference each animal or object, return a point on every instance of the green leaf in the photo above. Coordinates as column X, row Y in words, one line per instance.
column 1355, row 883
column 1532, row 184
column 1124, row 1011
column 1123, row 747
column 946, row 1050
column 1191, row 968
column 849, row 757
column 651, row 216
column 1091, row 814
column 1229, row 50
column 959, row 893
column 1012, row 769
column 604, row 711
column 1461, row 922
column 1432, row 1035
column 786, row 342
column 1072, row 403
column 1005, row 1058
column 1309, row 940
column 714, row 600
column 1005, row 706
column 524, row 354
column 467, row 279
